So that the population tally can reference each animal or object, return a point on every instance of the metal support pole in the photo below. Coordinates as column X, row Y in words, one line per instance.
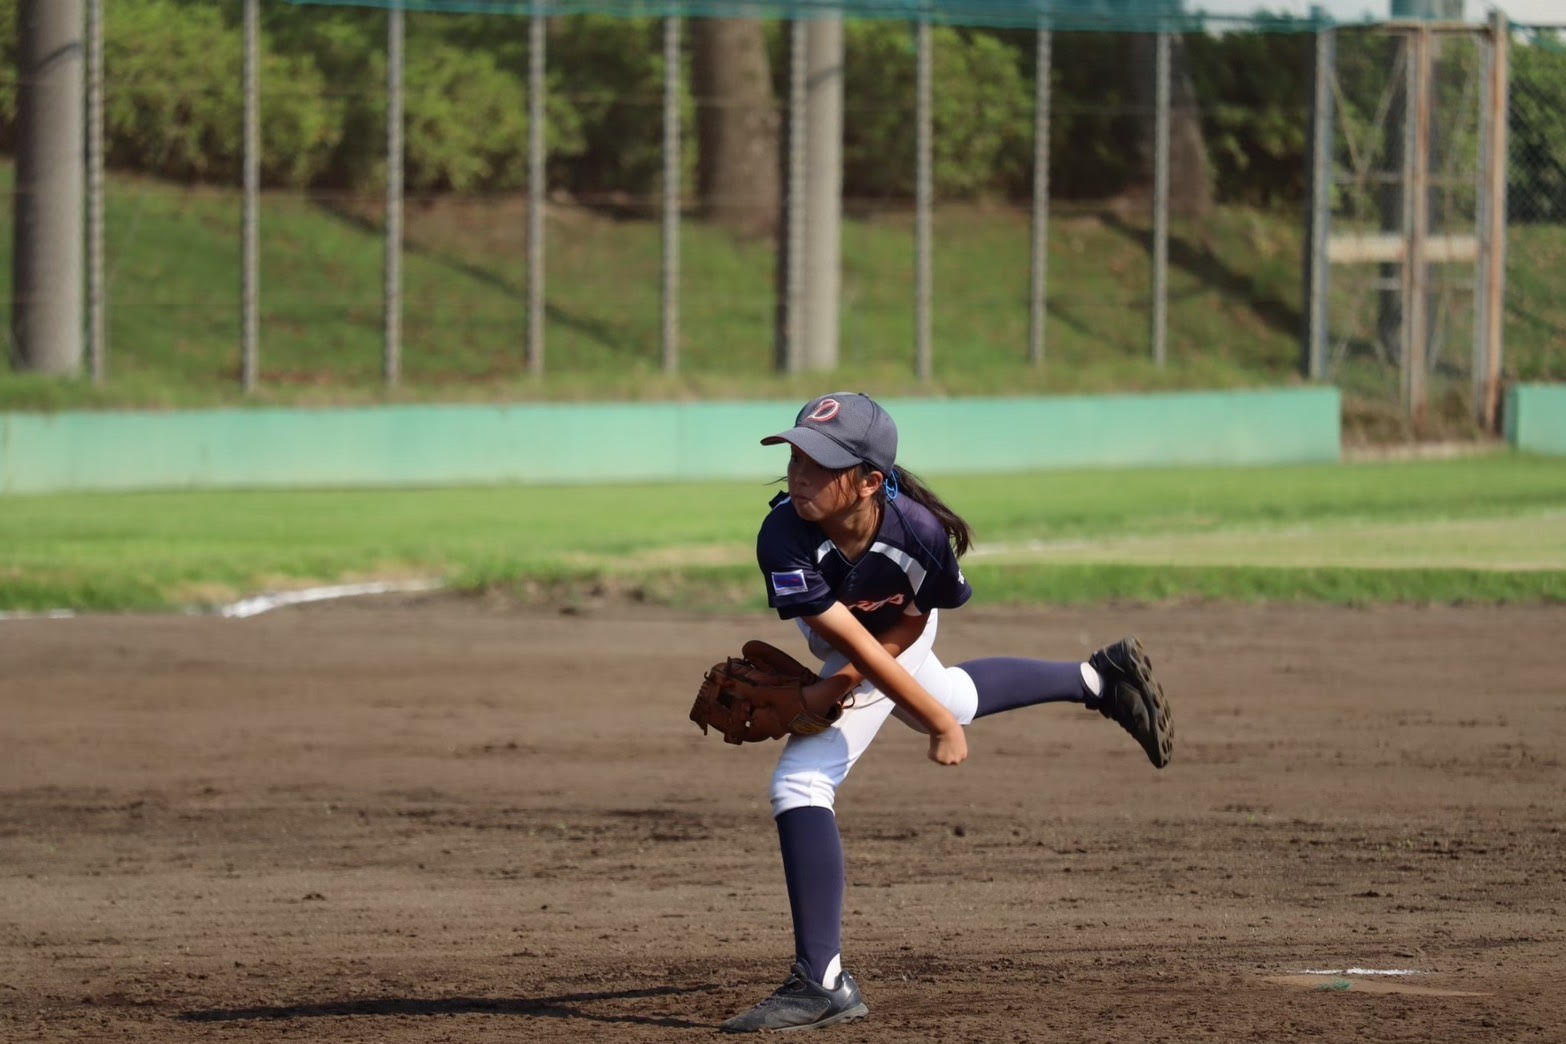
column 1317, row 273
column 97, row 324
column 1405, row 217
column 394, row 49
column 47, row 314
column 791, row 349
column 1491, row 291
column 1416, row 304
column 923, row 191
column 250, row 261
column 1161, row 207
column 1038, row 309
column 535, row 194
column 671, row 195
column 823, row 190
column 1482, row 202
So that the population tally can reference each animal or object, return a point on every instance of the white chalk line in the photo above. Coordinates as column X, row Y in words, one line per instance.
column 1360, row 971
column 255, row 606
column 266, row 603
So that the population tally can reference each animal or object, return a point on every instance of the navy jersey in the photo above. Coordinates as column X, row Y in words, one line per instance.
column 910, row 567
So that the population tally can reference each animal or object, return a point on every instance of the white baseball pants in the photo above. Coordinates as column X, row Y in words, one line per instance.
column 811, row 768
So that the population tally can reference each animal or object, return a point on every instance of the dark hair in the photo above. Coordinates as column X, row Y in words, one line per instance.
column 909, row 485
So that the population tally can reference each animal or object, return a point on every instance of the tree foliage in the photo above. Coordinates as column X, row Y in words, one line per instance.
column 1257, row 93
column 978, row 98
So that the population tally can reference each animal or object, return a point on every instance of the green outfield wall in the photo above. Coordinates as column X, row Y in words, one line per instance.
column 1536, row 417
column 600, row 442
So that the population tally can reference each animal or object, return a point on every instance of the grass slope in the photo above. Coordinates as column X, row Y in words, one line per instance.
column 173, row 272
column 173, row 261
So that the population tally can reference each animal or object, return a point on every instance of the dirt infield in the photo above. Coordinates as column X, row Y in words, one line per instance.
column 436, row 820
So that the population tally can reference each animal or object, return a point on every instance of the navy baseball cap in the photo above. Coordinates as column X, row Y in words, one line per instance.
column 841, row 430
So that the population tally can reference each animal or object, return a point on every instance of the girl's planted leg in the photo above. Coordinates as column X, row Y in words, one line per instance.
column 813, row 870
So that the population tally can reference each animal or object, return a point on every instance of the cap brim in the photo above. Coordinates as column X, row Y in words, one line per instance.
column 816, row 446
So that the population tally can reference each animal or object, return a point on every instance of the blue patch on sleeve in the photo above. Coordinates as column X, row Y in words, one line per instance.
column 789, row 583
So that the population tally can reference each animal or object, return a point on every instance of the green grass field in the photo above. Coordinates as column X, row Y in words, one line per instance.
column 1489, row 529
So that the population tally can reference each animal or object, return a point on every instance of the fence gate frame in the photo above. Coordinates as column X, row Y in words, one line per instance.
column 1412, row 248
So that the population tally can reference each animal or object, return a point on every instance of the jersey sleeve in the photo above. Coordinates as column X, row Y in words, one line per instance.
column 944, row 586
column 795, row 587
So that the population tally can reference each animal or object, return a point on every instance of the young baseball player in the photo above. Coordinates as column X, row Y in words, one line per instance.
column 863, row 557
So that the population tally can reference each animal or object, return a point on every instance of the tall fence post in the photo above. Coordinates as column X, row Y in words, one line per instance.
column 535, row 193
column 923, row 192
column 1038, row 289
column 791, row 340
column 1317, row 315
column 1488, row 342
column 1161, row 205
column 1416, row 303
column 250, row 250
column 671, row 195
column 97, row 316
column 823, row 190
column 393, row 305
column 46, row 280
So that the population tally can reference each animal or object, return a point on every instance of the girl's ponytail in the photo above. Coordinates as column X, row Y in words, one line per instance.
column 904, row 483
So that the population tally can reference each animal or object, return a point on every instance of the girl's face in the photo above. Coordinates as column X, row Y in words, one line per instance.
column 821, row 494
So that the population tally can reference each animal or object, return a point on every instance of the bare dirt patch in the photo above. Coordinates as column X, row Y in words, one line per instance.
column 429, row 819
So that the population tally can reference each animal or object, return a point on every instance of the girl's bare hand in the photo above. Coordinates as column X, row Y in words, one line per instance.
column 949, row 746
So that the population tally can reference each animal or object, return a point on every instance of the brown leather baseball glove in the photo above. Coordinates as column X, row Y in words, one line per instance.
column 759, row 695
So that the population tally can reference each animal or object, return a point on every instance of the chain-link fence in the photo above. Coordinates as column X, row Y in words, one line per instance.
column 590, row 205
column 1535, row 326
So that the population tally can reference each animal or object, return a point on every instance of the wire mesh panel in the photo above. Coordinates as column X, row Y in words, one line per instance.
column 1535, row 316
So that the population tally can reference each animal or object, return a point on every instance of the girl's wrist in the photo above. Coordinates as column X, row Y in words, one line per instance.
column 947, row 722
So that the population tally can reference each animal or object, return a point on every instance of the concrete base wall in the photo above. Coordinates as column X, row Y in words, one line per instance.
column 604, row 442
column 1536, row 417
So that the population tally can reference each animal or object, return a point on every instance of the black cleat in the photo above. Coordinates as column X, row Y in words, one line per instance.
column 1133, row 698
column 800, row 1004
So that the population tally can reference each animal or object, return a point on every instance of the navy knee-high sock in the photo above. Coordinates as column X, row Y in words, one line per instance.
column 813, row 869
column 1006, row 682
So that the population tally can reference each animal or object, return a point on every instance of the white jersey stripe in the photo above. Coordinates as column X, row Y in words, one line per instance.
column 821, row 552
column 904, row 561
